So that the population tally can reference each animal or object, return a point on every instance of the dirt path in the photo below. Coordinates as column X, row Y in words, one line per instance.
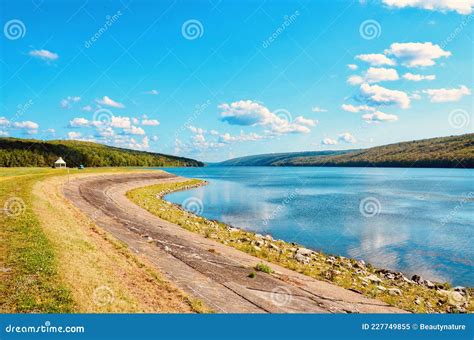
column 211, row 271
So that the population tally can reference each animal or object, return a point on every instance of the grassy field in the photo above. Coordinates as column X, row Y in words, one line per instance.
column 348, row 273
column 53, row 259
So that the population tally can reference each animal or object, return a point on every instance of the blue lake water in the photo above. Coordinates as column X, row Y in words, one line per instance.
column 412, row 220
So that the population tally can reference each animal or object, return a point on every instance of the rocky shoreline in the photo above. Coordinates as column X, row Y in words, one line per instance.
column 414, row 294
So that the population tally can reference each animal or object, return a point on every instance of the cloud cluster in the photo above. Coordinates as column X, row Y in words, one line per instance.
column 461, row 6
column 67, row 102
column 44, row 55
column 374, row 75
column 378, row 116
column 417, row 54
column 376, row 59
column 114, row 130
column 409, row 55
column 447, row 95
column 418, row 77
column 107, row 101
column 250, row 113
column 27, row 126
column 371, row 114
column 382, row 96
column 345, row 137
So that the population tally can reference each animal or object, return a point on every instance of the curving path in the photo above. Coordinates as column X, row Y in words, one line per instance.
column 215, row 273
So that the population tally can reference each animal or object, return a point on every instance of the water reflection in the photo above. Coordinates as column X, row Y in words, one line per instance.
column 425, row 223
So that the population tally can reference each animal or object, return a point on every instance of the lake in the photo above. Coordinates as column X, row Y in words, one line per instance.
column 418, row 221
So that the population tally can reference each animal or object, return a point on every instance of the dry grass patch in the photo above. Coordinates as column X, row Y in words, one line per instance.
column 103, row 275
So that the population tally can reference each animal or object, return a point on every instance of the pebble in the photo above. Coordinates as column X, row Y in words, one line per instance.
column 304, row 251
column 302, row 258
column 271, row 245
column 373, row 278
column 394, row 291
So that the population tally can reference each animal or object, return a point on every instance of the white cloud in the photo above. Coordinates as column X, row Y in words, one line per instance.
column 447, row 95
column 3, row 134
column 109, row 102
column 106, row 132
column 66, row 103
column 29, row 125
column 74, row 135
column 378, row 116
column 150, row 122
column 51, row 131
column 249, row 113
column 346, row 137
column 120, row 122
column 382, row 95
column 87, row 108
column 352, row 67
column 4, row 121
column 418, row 77
column 134, row 130
column 355, row 80
column 305, row 121
column 196, row 130
column 375, row 59
column 44, row 54
column 318, row 109
column 460, row 6
column 374, row 75
column 154, row 138
column 153, row 92
column 227, row 138
column 134, row 144
column 355, row 109
column 417, row 54
column 329, row 141
column 79, row 122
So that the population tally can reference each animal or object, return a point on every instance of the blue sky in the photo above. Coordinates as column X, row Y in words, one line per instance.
column 218, row 79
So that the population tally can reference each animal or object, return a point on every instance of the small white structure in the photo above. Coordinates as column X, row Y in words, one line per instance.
column 60, row 163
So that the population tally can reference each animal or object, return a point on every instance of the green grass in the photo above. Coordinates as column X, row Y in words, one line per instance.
column 261, row 267
column 30, row 282
column 338, row 270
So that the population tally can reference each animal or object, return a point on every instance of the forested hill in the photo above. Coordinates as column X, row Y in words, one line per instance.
column 272, row 158
column 16, row 152
column 442, row 152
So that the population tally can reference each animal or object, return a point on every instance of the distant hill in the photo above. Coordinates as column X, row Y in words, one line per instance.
column 442, row 152
column 273, row 158
column 15, row 152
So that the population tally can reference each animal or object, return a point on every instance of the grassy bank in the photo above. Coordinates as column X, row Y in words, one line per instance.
column 393, row 288
column 53, row 259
